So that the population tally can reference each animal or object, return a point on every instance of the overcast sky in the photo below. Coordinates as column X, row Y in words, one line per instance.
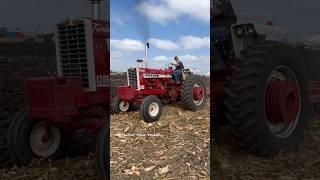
column 29, row 14
column 301, row 17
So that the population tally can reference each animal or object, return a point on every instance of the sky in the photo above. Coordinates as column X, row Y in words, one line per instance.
column 300, row 17
column 170, row 28
column 42, row 15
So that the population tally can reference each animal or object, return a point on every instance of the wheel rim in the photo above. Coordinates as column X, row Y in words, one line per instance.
column 198, row 94
column 154, row 109
column 124, row 106
column 282, row 101
column 44, row 141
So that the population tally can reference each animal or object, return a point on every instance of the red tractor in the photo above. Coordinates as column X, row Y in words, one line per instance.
column 262, row 90
column 74, row 103
column 150, row 88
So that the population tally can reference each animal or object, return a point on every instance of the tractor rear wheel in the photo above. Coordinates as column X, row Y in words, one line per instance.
column 4, row 158
column 119, row 105
column 103, row 152
column 193, row 94
column 151, row 109
column 267, row 99
column 28, row 139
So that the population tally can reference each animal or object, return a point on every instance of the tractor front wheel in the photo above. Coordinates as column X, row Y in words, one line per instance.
column 119, row 105
column 151, row 109
column 28, row 139
column 103, row 152
column 267, row 99
column 193, row 93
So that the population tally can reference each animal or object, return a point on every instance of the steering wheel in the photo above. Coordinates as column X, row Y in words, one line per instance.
column 168, row 65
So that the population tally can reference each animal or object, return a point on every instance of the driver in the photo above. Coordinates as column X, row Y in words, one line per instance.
column 177, row 73
column 223, row 17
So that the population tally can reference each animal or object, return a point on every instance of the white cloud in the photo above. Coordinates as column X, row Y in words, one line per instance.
column 197, row 9
column 116, row 54
column 157, row 13
column 127, row 45
column 169, row 10
column 184, row 58
column 185, row 42
column 161, row 58
column 193, row 42
column 193, row 58
column 164, row 44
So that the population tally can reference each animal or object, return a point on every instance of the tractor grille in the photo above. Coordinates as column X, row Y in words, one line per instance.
column 73, row 51
column 132, row 77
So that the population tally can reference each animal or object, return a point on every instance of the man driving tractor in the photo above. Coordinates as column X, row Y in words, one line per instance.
column 178, row 70
column 223, row 18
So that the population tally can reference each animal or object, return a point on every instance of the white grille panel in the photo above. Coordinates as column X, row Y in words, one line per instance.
column 73, row 51
column 132, row 77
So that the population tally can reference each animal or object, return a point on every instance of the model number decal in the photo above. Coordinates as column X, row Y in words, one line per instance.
column 102, row 80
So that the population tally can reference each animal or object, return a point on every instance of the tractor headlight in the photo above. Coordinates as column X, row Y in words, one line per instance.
column 251, row 29
column 239, row 30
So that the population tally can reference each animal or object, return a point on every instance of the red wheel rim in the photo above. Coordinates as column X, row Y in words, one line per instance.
column 282, row 101
column 198, row 94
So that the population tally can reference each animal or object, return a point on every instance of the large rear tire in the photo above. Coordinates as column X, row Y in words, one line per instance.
column 103, row 152
column 23, row 136
column 193, row 93
column 257, row 125
column 5, row 157
column 151, row 109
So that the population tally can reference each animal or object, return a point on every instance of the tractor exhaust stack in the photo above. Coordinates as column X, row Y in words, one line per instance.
column 96, row 9
column 146, row 54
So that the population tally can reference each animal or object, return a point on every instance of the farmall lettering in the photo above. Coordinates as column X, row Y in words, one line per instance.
column 100, row 28
column 152, row 76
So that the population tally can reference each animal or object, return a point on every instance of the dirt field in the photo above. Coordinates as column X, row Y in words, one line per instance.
column 231, row 163
column 176, row 147
column 66, row 169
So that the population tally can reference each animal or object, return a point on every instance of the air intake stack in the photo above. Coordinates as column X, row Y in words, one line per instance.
column 96, row 9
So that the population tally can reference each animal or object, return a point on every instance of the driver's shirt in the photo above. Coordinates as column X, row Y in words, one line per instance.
column 179, row 65
column 228, row 16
